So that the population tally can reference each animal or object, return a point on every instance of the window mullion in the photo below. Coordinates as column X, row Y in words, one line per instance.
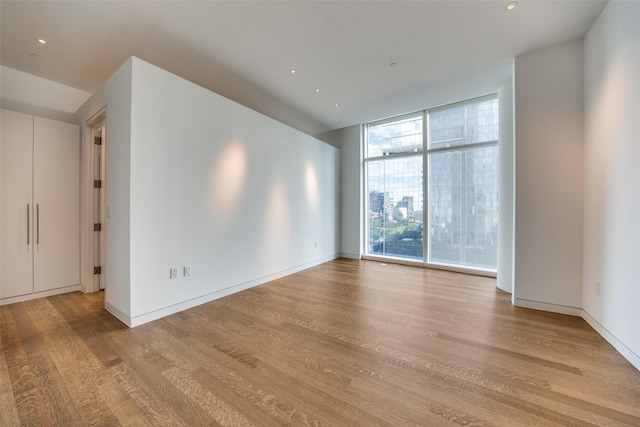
column 426, row 203
column 465, row 147
column 463, row 192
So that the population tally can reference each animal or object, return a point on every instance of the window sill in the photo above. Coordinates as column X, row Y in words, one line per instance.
column 416, row 263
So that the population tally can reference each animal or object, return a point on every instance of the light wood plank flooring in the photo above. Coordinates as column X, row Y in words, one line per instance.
column 347, row 343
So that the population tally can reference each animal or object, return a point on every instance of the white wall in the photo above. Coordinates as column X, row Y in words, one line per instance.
column 349, row 141
column 549, row 179
column 115, row 94
column 238, row 196
column 612, row 155
column 29, row 94
column 506, row 181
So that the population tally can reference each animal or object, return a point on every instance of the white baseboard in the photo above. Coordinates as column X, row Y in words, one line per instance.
column 42, row 294
column 620, row 347
column 124, row 318
column 545, row 306
column 349, row 256
column 628, row 354
column 133, row 321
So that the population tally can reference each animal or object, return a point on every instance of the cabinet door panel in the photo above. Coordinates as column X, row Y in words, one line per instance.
column 56, row 196
column 16, row 269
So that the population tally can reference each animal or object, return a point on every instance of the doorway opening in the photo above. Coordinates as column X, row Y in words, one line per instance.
column 97, row 138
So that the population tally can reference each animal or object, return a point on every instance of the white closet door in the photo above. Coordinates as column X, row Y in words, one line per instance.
column 56, row 196
column 16, row 160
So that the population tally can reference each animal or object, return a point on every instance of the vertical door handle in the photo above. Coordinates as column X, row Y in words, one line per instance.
column 28, row 225
column 38, row 223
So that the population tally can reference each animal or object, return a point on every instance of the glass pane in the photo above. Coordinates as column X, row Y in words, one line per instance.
column 396, row 137
column 445, row 197
column 463, row 187
column 481, row 192
column 395, row 207
column 464, row 124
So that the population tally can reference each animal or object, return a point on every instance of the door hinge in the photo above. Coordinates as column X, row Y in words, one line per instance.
column 97, row 270
column 97, row 183
column 97, row 226
column 97, row 140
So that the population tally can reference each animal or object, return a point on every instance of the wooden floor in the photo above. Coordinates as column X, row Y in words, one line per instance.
column 347, row 343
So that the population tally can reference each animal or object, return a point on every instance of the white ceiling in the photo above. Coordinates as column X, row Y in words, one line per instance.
column 444, row 50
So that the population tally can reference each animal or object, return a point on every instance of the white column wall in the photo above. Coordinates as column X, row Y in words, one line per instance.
column 549, row 179
column 351, row 203
column 506, row 181
column 612, row 199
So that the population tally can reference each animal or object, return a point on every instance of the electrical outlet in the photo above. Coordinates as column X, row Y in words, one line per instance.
column 186, row 270
column 173, row 273
column 597, row 288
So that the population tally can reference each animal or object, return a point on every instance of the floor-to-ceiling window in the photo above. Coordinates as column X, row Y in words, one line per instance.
column 395, row 186
column 447, row 157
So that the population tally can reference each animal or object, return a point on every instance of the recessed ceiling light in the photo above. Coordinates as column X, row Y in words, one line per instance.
column 41, row 41
column 336, row 105
column 317, row 89
column 293, row 71
column 511, row 6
